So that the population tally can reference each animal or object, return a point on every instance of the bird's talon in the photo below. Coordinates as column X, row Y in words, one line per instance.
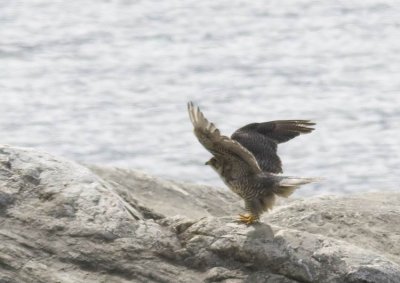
column 247, row 219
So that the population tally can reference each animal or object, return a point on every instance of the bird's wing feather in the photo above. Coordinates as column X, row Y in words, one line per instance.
column 281, row 130
column 263, row 149
column 219, row 145
column 262, row 140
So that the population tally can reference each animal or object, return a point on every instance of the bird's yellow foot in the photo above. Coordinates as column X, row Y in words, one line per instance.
column 247, row 218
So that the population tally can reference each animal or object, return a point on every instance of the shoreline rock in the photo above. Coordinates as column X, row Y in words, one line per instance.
column 65, row 222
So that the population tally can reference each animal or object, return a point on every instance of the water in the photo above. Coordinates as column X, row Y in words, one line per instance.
column 107, row 82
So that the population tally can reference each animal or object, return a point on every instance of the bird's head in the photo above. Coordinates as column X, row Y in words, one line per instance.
column 215, row 164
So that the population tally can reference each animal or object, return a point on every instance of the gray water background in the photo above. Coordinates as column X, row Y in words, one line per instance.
column 107, row 82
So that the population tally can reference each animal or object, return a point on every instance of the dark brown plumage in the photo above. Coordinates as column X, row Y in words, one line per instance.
column 262, row 140
column 248, row 161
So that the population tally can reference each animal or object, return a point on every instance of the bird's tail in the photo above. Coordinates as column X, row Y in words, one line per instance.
column 287, row 185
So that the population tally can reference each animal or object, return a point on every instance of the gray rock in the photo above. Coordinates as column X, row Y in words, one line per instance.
column 63, row 222
column 370, row 221
column 168, row 197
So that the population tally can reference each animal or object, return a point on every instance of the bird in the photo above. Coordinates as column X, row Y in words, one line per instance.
column 248, row 163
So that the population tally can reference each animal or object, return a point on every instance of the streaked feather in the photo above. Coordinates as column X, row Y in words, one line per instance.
column 221, row 146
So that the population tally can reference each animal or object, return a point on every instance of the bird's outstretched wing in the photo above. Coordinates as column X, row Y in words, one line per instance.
column 220, row 146
column 261, row 139
column 279, row 131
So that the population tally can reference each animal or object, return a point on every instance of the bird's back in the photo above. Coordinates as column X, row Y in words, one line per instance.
column 263, row 149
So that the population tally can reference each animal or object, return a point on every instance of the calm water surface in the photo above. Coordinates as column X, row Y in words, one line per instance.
column 107, row 82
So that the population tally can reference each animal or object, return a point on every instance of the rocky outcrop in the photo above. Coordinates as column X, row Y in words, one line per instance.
column 64, row 222
column 168, row 197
